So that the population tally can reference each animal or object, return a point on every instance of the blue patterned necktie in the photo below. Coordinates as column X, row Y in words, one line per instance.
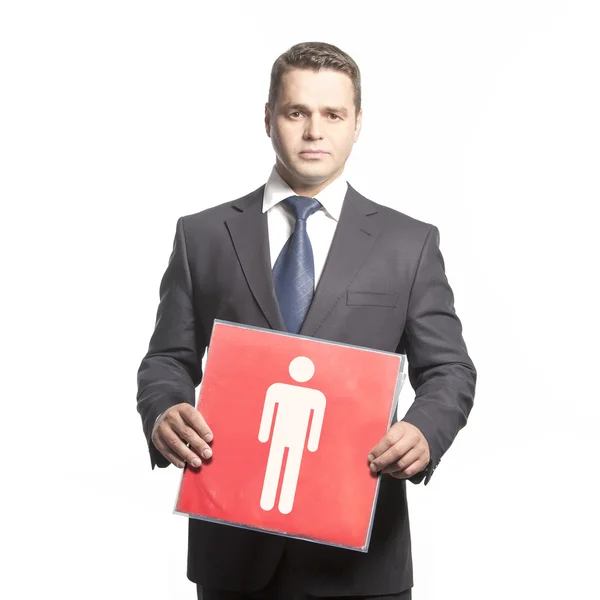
column 294, row 270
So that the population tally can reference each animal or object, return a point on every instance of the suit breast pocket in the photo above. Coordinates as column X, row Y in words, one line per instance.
column 371, row 299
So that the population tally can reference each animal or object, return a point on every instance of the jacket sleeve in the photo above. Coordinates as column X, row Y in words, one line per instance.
column 171, row 370
column 439, row 368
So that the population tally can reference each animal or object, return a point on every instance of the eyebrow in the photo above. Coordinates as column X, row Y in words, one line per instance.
column 304, row 108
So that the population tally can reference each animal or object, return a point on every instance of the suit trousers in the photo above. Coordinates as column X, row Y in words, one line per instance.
column 283, row 587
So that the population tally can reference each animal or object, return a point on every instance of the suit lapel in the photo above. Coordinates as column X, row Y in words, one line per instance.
column 249, row 233
column 355, row 236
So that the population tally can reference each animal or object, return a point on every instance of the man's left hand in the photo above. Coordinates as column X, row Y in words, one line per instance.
column 402, row 452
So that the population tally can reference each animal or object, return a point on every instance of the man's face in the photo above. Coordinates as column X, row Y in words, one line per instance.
column 314, row 111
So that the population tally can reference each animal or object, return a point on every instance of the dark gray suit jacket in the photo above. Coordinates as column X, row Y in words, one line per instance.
column 383, row 287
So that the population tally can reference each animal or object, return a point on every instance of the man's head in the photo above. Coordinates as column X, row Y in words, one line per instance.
column 314, row 104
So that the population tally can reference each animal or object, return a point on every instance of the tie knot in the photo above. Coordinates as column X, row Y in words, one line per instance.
column 303, row 206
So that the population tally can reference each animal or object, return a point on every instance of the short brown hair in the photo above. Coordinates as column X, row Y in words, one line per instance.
column 314, row 56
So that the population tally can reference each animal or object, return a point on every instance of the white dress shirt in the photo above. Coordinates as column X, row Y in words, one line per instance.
column 320, row 226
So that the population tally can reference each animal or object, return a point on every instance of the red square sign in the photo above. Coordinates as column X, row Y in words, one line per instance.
column 293, row 419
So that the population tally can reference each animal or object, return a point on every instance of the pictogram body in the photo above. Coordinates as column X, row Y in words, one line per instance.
column 291, row 406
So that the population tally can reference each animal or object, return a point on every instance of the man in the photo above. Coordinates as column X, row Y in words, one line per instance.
column 309, row 254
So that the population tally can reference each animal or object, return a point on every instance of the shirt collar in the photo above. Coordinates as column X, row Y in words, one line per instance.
column 331, row 197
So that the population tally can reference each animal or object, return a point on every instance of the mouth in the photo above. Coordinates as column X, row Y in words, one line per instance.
column 313, row 153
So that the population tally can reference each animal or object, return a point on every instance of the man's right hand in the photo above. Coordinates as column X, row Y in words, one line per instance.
column 175, row 428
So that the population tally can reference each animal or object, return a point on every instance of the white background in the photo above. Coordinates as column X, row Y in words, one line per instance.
column 117, row 117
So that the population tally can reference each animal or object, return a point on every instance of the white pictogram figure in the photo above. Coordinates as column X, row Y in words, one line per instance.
column 294, row 406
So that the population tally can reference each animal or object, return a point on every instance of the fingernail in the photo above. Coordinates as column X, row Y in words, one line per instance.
column 373, row 468
column 207, row 453
column 196, row 462
column 370, row 458
column 208, row 437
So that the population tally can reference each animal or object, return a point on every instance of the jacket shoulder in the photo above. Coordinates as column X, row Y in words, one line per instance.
column 223, row 211
column 390, row 217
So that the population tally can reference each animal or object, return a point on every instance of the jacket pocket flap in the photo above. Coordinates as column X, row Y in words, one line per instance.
column 371, row 299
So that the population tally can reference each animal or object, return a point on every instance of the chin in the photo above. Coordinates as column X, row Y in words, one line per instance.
column 318, row 171
column 314, row 177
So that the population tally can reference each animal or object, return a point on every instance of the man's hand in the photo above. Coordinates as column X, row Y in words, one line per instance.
column 402, row 452
column 177, row 426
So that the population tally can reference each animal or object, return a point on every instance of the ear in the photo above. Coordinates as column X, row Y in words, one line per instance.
column 267, row 119
column 358, row 125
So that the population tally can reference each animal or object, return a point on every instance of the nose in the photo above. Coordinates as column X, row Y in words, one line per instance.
column 313, row 129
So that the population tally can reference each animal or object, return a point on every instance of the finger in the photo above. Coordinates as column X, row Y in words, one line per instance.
column 391, row 455
column 411, row 457
column 168, row 453
column 170, row 438
column 184, row 419
column 193, row 418
column 189, row 435
column 387, row 441
column 411, row 470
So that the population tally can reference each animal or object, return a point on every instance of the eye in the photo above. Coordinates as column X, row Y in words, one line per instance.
column 295, row 113
column 337, row 117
